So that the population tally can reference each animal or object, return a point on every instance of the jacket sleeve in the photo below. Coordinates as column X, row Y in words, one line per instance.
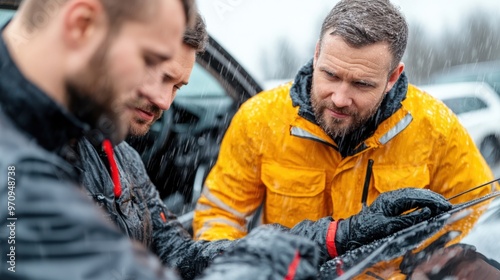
column 233, row 189
column 57, row 233
column 460, row 167
column 266, row 253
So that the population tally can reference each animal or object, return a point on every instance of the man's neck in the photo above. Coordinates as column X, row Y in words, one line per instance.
column 38, row 62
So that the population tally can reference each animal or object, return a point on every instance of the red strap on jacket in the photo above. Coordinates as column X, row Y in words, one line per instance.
column 330, row 239
column 292, row 269
column 115, row 175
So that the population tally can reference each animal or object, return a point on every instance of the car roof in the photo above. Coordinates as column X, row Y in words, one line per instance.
column 10, row 4
column 488, row 71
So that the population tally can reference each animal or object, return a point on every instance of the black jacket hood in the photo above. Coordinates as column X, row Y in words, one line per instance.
column 300, row 93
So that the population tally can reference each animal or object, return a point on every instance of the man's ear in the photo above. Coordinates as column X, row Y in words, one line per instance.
column 81, row 21
column 394, row 76
column 316, row 53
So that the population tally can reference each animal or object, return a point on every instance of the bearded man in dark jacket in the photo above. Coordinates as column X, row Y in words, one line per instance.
column 49, row 69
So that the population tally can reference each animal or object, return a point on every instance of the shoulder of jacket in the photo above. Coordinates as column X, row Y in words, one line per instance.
column 14, row 146
column 426, row 107
column 27, row 156
column 267, row 102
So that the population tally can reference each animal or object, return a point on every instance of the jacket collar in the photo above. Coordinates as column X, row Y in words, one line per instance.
column 32, row 110
column 353, row 143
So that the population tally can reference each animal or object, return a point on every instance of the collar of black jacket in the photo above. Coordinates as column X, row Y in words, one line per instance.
column 32, row 111
column 347, row 145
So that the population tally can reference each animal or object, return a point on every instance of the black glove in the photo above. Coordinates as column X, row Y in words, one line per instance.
column 384, row 217
column 266, row 253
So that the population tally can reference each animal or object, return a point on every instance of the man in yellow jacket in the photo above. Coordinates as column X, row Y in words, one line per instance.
column 349, row 128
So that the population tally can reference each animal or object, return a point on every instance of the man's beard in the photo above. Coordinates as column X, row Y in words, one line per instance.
column 336, row 128
column 92, row 98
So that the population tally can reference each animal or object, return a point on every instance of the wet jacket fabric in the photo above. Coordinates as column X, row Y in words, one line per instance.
column 275, row 154
column 139, row 212
column 52, row 230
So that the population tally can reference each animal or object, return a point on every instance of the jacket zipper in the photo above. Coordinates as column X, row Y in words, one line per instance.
column 367, row 182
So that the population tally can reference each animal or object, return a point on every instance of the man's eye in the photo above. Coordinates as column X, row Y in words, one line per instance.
column 150, row 61
column 331, row 75
column 166, row 78
column 362, row 84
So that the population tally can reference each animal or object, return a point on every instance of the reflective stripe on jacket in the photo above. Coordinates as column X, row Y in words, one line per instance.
column 271, row 154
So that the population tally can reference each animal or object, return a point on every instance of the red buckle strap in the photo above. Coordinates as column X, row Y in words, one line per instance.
column 115, row 175
column 292, row 269
column 330, row 239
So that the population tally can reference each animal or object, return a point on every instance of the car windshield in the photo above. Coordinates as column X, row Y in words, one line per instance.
column 201, row 84
column 427, row 246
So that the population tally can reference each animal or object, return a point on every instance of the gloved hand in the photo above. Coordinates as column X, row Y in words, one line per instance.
column 268, row 252
column 385, row 217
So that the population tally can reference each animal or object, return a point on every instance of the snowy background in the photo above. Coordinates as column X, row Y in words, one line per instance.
column 272, row 38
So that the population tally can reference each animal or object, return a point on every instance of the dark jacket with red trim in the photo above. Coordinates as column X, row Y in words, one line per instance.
column 139, row 212
column 142, row 215
column 51, row 229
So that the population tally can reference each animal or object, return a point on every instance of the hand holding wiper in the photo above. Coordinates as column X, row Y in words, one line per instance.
column 386, row 216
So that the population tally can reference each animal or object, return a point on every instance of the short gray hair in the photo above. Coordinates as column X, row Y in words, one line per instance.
column 365, row 22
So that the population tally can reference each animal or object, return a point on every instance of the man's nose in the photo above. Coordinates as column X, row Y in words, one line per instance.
column 159, row 95
column 163, row 97
column 341, row 96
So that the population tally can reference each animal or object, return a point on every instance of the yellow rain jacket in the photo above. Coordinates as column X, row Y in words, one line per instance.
column 272, row 155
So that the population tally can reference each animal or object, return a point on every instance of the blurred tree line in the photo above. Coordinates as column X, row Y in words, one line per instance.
column 475, row 39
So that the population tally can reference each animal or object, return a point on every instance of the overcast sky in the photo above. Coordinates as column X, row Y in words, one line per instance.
column 247, row 28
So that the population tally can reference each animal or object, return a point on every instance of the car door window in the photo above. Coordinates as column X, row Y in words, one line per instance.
column 463, row 105
column 201, row 84
column 5, row 15
column 494, row 81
